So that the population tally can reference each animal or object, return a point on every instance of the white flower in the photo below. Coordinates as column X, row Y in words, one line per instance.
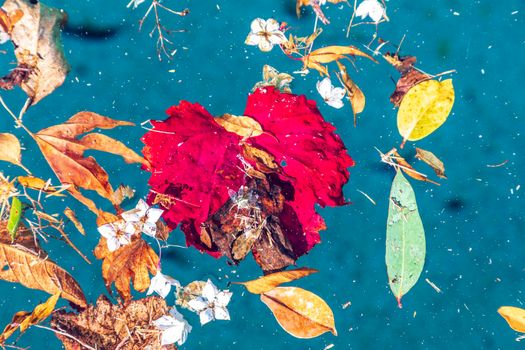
column 372, row 9
column 174, row 328
column 211, row 305
column 135, row 3
column 333, row 96
column 161, row 284
column 4, row 37
column 144, row 217
column 117, row 234
column 265, row 34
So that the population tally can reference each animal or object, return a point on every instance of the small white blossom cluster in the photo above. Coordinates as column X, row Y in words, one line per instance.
column 142, row 218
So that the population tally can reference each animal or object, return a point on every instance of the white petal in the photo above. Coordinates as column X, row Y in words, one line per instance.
column 221, row 313
column 198, row 304
column 265, row 45
column 206, row 316
column 107, row 231
column 277, row 38
column 337, row 93
column 223, row 298
column 337, row 104
column 209, row 291
column 324, row 87
column 171, row 335
column 132, row 228
column 363, row 9
column 271, row 25
column 132, row 215
column 376, row 11
column 4, row 37
column 150, row 229
column 153, row 215
column 252, row 39
column 142, row 206
column 113, row 243
column 258, row 25
column 164, row 322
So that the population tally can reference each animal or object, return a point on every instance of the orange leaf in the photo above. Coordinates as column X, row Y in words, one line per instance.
column 24, row 320
column 64, row 153
column 70, row 214
column 355, row 95
column 328, row 54
column 514, row 316
column 10, row 150
column 268, row 282
column 300, row 312
column 242, row 126
column 24, row 262
column 38, row 184
column 130, row 262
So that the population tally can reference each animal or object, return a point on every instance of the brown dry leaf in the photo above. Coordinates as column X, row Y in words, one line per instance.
column 70, row 214
column 394, row 158
column 264, row 161
column 130, row 262
column 267, row 283
column 514, row 316
column 10, row 150
column 354, row 93
column 409, row 75
column 24, row 262
column 242, row 126
column 327, row 54
column 300, row 312
column 36, row 37
column 109, row 326
column 38, row 184
column 100, row 142
column 24, row 319
column 122, row 193
column 64, row 153
column 434, row 162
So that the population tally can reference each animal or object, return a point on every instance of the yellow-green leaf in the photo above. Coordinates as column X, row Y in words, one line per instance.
column 425, row 108
column 268, row 282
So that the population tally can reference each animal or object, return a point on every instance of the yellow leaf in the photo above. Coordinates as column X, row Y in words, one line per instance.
column 38, row 184
column 300, row 312
column 10, row 150
column 354, row 93
column 70, row 214
column 24, row 320
column 327, row 54
column 242, row 126
column 425, row 108
column 514, row 316
column 267, row 283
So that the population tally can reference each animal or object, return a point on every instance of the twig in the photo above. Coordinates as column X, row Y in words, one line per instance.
column 64, row 333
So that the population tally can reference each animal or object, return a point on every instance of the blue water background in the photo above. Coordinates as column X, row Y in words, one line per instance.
column 474, row 221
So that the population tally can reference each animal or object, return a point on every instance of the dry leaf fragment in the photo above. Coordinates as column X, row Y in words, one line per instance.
column 242, row 126
column 109, row 326
column 24, row 262
column 38, row 184
column 10, row 150
column 300, row 312
column 131, row 262
column 23, row 319
column 433, row 161
column 8, row 20
column 122, row 193
column 410, row 76
column 354, row 93
column 327, row 54
column 70, row 214
column 394, row 159
column 514, row 316
column 425, row 108
column 36, row 36
column 65, row 154
column 268, row 282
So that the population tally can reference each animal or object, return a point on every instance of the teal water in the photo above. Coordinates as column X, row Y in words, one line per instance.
column 474, row 222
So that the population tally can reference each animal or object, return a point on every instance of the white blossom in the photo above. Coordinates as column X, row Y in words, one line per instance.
column 161, row 284
column 174, row 327
column 371, row 8
column 143, row 217
column 333, row 96
column 117, row 234
column 265, row 34
column 211, row 304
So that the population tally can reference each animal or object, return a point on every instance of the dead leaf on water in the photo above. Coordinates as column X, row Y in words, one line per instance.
column 70, row 214
column 10, row 150
column 300, row 312
column 434, row 162
column 241, row 125
column 268, row 282
column 514, row 316
column 354, row 93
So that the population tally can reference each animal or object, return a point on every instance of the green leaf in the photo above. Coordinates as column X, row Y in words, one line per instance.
column 14, row 217
column 405, row 238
